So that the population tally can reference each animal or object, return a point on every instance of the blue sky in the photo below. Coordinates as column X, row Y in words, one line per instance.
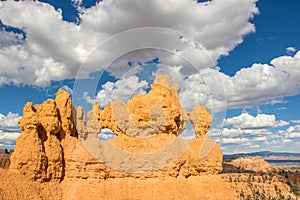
column 239, row 58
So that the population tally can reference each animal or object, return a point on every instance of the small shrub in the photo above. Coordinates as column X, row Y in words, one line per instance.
column 295, row 190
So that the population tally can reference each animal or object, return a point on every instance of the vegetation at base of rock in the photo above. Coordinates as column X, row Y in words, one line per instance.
column 262, row 186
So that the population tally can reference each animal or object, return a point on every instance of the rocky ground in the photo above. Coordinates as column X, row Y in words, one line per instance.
column 241, row 178
column 14, row 185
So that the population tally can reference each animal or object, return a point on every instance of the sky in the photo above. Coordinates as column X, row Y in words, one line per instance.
column 239, row 58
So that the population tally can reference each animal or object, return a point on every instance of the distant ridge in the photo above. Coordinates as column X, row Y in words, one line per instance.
column 267, row 155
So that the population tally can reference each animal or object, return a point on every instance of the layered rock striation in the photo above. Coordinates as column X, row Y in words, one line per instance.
column 57, row 142
column 247, row 165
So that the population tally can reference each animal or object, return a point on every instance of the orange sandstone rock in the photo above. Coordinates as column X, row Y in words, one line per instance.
column 65, row 111
column 248, row 164
column 63, row 145
column 39, row 153
column 201, row 120
column 146, row 115
column 146, row 159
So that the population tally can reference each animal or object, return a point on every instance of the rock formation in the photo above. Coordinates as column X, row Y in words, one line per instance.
column 38, row 152
column 4, row 158
column 57, row 143
column 248, row 164
column 59, row 156
column 157, row 112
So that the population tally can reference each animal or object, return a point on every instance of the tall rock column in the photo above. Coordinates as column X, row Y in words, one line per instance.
column 39, row 153
column 48, row 117
column 29, row 157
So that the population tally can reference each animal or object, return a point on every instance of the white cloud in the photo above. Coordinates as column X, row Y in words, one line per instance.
column 9, row 130
column 9, row 38
column 260, row 139
column 290, row 50
column 254, row 146
column 8, row 140
column 67, row 88
column 273, row 143
column 53, row 48
column 76, row 3
column 249, row 87
column 106, row 134
column 294, row 135
column 248, row 131
column 245, row 132
column 291, row 132
column 246, row 138
column 9, row 122
column 4, row 137
column 87, row 98
column 247, row 121
column 295, row 121
column 113, row 16
column 234, row 141
column 123, row 89
column 48, row 51
column 286, row 140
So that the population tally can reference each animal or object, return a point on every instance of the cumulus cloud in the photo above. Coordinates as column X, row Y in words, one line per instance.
column 8, row 140
column 54, row 49
column 245, row 138
column 256, row 134
column 247, row 131
column 247, row 121
column 9, row 38
column 290, row 50
column 240, row 141
column 287, row 140
column 123, row 89
column 260, row 139
column 295, row 121
column 47, row 53
column 9, row 122
column 291, row 132
column 190, row 17
column 249, row 87
column 9, row 130
column 237, row 132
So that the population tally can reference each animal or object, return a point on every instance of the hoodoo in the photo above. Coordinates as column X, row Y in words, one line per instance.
column 58, row 145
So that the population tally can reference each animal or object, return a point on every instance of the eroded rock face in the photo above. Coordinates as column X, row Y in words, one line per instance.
column 29, row 157
column 145, row 115
column 201, row 120
column 65, row 111
column 57, row 143
column 39, row 153
column 248, row 164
